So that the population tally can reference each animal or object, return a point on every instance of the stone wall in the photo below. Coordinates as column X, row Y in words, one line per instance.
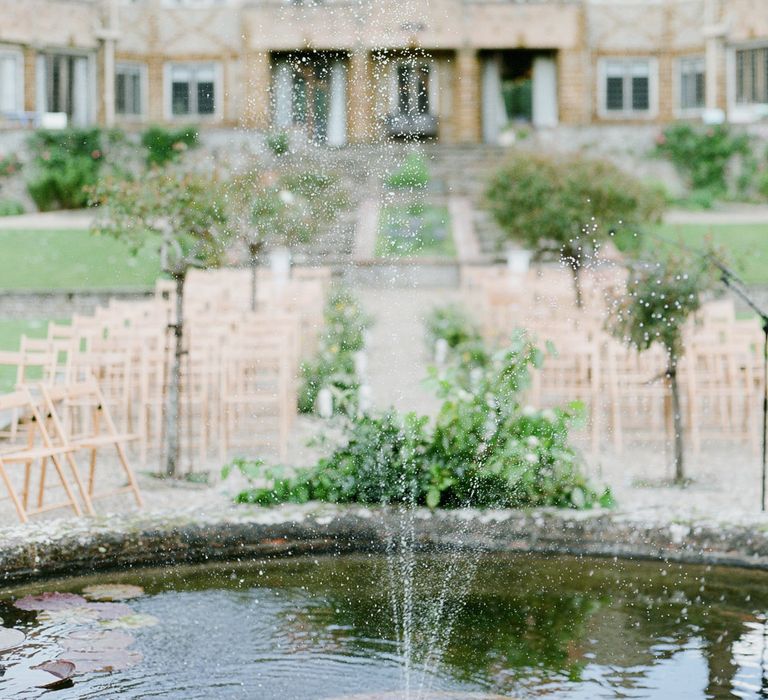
column 61, row 304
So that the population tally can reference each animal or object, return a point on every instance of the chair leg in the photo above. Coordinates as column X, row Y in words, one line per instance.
column 27, row 483
column 67, row 489
column 80, row 486
column 41, row 490
column 14, row 496
column 129, row 474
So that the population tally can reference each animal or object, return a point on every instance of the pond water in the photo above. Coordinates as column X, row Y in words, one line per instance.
column 306, row 628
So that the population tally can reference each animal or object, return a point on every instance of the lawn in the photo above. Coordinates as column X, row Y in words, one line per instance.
column 10, row 333
column 71, row 259
column 746, row 245
column 414, row 231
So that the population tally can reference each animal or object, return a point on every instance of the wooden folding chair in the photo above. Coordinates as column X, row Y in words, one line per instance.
column 32, row 443
column 64, row 406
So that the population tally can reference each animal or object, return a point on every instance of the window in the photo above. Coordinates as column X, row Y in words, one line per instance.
column 413, row 88
column 627, row 87
column 752, row 76
column 193, row 90
column 128, row 89
column 692, row 83
column 67, row 86
column 10, row 82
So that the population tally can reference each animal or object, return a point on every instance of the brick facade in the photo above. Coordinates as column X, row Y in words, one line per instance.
column 241, row 40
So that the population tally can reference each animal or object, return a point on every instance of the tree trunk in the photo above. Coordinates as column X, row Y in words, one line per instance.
column 576, row 273
column 173, row 399
column 677, row 419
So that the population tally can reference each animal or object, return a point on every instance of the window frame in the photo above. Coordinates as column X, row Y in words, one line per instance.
column 15, row 53
column 141, row 69
column 680, row 109
column 431, row 93
column 627, row 114
column 194, row 66
column 742, row 112
column 91, row 75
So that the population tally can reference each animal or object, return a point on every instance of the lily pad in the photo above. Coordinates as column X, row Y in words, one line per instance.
column 76, row 615
column 86, row 613
column 110, row 611
column 130, row 621
column 113, row 591
column 96, row 640
column 50, row 602
column 62, row 670
column 102, row 661
column 10, row 638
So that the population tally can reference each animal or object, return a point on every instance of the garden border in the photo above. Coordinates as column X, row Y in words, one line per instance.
column 46, row 549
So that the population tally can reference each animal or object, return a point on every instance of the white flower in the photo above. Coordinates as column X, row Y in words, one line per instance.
column 549, row 415
column 531, row 458
column 529, row 411
column 532, row 441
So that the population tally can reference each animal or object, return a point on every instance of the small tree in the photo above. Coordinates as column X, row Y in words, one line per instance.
column 660, row 298
column 285, row 209
column 182, row 216
column 567, row 207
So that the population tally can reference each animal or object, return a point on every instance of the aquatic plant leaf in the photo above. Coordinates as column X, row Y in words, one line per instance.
column 62, row 670
column 96, row 640
column 130, row 621
column 76, row 615
column 10, row 638
column 58, row 668
column 106, row 660
column 85, row 613
column 112, row 591
column 110, row 611
column 49, row 601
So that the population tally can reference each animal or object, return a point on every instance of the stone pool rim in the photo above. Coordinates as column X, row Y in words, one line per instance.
column 48, row 549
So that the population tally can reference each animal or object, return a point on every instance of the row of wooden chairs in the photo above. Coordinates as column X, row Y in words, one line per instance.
column 239, row 366
column 626, row 393
column 52, row 429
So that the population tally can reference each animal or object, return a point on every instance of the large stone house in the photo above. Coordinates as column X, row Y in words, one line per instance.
column 463, row 71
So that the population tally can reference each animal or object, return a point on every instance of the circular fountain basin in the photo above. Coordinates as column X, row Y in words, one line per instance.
column 322, row 628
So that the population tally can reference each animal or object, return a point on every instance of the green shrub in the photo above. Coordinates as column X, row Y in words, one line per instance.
column 334, row 366
column 64, row 165
column 10, row 207
column 703, row 154
column 452, row 324
column 167, row 145
column 483, row 449
column 413, row 174
column 278, row 143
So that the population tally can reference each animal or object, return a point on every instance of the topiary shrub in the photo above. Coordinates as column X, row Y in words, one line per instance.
column 167, row 145
column 65, row 164
column 566, row 207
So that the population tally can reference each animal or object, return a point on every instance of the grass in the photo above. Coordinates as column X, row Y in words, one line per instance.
column 745, row 245
column 427, row 242
column 10, row 334
column 71, row 259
